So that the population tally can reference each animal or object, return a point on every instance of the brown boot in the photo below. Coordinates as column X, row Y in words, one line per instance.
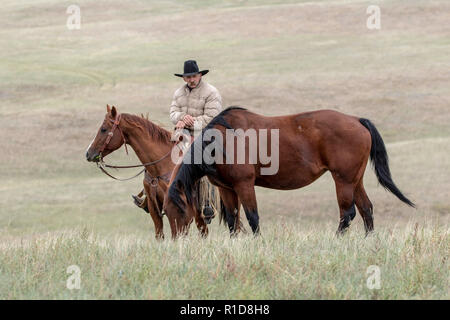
column 141, row 202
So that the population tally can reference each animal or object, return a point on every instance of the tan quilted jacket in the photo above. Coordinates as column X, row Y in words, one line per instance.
column 203, row 103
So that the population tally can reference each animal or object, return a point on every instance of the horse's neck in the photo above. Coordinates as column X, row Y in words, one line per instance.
column 148, row 149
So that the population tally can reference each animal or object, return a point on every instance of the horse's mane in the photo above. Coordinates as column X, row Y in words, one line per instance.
column 189, row 173
column 220, row 120
column 156, row 132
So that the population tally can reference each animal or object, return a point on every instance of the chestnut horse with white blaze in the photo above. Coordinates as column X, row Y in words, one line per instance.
column 310, row 144
column 153, row 146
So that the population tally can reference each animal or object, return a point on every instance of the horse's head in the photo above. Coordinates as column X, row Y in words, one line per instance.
column 109, row 137
column 178, row 209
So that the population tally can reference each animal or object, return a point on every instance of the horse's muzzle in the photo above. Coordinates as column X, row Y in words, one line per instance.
column 94, row 157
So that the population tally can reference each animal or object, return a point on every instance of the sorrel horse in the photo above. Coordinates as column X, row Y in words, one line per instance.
column 309, row 144
column 152, row 145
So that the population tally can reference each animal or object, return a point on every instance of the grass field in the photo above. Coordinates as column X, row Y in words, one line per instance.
column 272, row 57
column 287, row 262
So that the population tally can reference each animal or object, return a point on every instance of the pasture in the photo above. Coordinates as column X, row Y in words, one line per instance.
column 272, row 57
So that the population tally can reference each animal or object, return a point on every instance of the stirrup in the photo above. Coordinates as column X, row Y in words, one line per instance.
column 208, row 214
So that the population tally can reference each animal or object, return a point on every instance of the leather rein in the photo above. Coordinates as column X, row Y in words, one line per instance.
column 102, row 165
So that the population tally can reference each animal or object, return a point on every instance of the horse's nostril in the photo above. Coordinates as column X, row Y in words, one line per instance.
column 87, row 155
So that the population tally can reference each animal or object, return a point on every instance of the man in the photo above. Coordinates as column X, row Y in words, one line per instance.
column 194, row 104
column 194, row 101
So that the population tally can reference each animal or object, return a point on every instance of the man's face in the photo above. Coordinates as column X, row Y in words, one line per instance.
column 192, row 81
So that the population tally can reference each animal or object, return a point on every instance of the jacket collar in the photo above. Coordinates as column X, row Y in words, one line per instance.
column 187, row 89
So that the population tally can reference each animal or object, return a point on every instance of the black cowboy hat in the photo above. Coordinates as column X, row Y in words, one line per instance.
column 191, row 68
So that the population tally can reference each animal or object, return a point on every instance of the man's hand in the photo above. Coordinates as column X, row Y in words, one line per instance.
column 180, row 125
column 188, row 120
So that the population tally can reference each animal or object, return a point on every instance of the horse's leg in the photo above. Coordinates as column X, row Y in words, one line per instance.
column 197, row 212
column 179, row 226
column 364, row 205
column 178, row 223
column 157, row 220
column 247, row 196
column 344, row 192
column 185, row 230
column 173, row 227
column 231, row 206
column 201, row 224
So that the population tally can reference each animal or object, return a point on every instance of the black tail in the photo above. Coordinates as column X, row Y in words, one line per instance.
column 380, row 162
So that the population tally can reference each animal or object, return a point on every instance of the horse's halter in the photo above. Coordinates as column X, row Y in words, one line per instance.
column 111, row 134
column 102, row 165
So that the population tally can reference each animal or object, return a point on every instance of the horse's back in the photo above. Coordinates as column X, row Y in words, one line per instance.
column 327, row 130
column 323, row 139
column 317, row 116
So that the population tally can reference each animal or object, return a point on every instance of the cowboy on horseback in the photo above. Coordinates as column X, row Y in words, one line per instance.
column 193, row 106
column 197, row 100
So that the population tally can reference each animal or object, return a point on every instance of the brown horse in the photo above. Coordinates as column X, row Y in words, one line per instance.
column 152, row 145
column 309, row 144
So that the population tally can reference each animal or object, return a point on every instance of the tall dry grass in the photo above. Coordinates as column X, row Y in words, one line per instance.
column 286, row 262
column 273, row 57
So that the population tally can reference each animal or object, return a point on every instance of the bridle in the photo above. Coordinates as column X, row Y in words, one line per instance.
column 102, row 165
column 111, row 134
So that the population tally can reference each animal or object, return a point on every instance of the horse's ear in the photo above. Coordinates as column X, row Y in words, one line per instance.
column 113, row 112
column 108, row 108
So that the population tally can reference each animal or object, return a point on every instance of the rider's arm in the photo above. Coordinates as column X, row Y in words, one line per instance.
column 176, row 113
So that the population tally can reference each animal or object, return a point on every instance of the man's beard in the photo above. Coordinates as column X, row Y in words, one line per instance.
column 195, row 85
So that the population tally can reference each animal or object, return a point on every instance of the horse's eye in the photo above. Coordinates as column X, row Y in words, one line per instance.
column 103, row 130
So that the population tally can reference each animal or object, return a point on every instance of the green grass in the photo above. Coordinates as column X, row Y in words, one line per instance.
column 287, row 262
